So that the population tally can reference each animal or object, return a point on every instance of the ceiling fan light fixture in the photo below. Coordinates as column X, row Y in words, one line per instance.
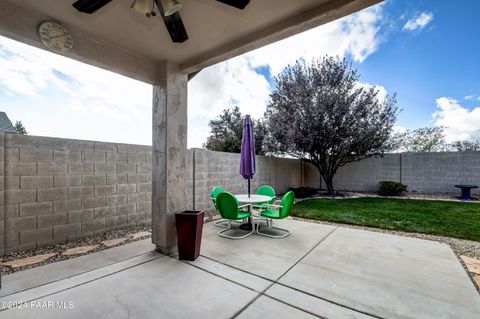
column 170, row 7
column 141, row 6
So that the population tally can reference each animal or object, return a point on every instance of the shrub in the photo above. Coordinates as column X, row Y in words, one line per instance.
column 391, row 188
column 303, row 192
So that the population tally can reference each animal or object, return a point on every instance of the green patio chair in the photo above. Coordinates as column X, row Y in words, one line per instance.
column 230, row 210
column 265, row 190
column 215, row 191
column 281, row 211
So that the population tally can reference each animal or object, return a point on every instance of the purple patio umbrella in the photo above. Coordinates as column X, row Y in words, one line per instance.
column 247, row 156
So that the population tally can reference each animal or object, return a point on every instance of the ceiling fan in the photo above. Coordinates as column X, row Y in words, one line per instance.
column 168, row 10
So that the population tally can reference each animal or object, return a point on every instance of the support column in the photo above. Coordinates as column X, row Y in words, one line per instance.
column 169, row 173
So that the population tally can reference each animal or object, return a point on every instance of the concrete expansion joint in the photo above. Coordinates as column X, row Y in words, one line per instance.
column 66, row 279
column 263, row 292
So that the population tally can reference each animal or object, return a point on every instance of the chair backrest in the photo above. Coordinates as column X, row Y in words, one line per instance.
column 227, row 205
column 215, row 191
column 267, row 191
column 287, row 203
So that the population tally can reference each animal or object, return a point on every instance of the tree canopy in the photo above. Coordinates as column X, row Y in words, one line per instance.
column 20, row 128
column 319, row 112
column 424, row 139
column 472, row 144
column 432, row 139
column 226, row 132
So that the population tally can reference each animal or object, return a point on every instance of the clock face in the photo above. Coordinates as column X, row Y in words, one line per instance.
column 55, row 37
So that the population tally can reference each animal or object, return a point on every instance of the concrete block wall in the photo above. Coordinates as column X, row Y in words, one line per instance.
column 54, row 190
column 60, row 189
column 216, row 168
column 439, row 172
column 364, row 175
column 436, row 172
column 210, row 169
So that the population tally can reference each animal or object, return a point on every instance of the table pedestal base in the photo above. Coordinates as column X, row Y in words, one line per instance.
column 246, row 226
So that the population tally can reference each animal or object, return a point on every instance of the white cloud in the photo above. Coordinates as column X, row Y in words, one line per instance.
column 235, row 82
column 381, row 90
column 419, row 21
column 469, row 97
column 113, row 101
column 356, row 35
column 460, row 122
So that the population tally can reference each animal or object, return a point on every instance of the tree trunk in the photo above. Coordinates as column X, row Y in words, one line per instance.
column 329, row 184
column 328, row 178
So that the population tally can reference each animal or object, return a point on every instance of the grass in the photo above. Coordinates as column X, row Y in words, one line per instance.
column 444, row 218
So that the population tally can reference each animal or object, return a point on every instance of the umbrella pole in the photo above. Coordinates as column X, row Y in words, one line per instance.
column 249, row 187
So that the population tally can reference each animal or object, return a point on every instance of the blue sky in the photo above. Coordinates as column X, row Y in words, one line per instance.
column 425, row 51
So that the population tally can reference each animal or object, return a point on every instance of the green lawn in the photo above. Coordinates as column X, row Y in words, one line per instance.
column 453, row 219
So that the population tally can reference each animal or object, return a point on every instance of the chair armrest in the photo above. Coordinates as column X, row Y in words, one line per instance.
column 243, row 206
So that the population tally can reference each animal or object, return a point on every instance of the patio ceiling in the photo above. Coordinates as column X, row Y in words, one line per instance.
column 216, row 31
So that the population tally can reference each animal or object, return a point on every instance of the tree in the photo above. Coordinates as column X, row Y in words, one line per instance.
column 226, row 132
column 424, row 139
column 20, row 128
column 473, row 144
column 321, row 114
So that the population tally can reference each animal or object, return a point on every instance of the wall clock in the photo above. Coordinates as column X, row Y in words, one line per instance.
column 55, row 37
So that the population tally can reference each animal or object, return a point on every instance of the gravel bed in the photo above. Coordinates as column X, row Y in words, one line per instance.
column 59, row 248
column 434, row 196
column 459, row 246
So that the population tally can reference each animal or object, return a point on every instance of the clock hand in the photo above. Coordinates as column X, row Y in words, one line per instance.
column 57, row 36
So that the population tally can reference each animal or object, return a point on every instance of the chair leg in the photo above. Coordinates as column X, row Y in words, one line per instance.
column 269, row 225
column 221, row 233
column 221, row 223
column 224, row 223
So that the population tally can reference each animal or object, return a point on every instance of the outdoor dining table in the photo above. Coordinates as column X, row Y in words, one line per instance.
column 252, row 199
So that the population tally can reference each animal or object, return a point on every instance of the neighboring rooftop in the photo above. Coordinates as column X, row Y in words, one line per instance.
column 6, row 125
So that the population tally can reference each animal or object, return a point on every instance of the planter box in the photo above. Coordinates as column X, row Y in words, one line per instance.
column 189, row 234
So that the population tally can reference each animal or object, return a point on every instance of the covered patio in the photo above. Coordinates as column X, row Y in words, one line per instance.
column 117, row 38
column 319, row 271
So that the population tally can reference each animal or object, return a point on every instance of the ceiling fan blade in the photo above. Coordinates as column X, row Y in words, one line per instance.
column 89, row 6
column 239, row 4
column 174, row 25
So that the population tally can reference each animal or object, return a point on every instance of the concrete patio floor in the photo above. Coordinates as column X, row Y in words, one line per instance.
column 319, row 271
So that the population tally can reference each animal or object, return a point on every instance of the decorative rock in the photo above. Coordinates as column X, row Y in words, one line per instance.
column 28, row 261
column 140, row 234
column 79, row 250
column 473, row 265
column 114, row 242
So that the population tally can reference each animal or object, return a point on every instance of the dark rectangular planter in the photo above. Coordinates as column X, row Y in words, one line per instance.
column 189, row 234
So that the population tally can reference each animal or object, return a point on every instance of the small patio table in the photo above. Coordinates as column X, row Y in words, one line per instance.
column 466, row 190
column 252, row 199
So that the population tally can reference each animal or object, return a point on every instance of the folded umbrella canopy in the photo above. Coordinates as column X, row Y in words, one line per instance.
column 247, row 156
